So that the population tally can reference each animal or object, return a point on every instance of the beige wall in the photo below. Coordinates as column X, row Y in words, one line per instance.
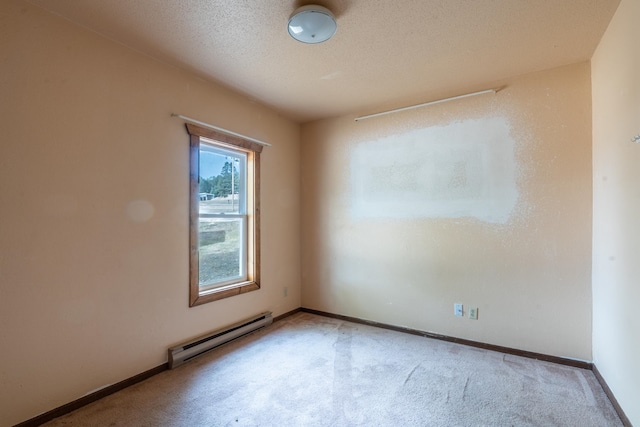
column 484, row 201
column 616, row 207
column 93, row 283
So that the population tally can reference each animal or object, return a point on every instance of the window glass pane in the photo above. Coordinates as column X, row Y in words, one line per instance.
column 222, row 181
column 221, row 251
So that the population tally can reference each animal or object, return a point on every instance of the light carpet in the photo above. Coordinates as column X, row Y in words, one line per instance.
column 309, row 370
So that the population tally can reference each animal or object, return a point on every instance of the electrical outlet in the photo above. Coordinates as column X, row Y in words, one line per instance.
column 285, row 291
column 473, row 313
column 457, row 309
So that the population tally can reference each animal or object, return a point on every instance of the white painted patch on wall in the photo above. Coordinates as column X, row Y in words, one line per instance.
column 140, row 210
column 463, row 169
column 330, row 76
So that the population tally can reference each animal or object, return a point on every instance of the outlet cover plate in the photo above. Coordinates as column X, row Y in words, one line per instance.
column 473, row 313
column 457, row 309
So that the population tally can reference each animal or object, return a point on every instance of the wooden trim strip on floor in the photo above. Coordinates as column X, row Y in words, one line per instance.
column 539, row 356
column 90, row 398
column 287, row 314
column 623, row 417
column 548, row 358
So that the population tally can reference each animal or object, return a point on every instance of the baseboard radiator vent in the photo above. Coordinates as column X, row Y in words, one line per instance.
column 183, row 353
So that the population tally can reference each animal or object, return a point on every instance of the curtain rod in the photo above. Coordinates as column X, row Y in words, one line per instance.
column 425, row 104
column 223, row 130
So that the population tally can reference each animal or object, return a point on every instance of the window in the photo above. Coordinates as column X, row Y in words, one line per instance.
column 224, row 216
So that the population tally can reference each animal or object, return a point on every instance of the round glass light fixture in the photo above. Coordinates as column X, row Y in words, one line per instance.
column 312, row 24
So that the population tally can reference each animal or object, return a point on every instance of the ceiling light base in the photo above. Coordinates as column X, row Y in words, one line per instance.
column 312, row 24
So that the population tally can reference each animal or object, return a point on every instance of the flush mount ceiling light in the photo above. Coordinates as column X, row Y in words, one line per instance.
column 312, row 24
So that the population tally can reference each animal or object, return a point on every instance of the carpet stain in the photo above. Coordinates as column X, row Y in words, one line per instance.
column 317, row 363
column 410, row 373
column 342, row 378
column 464, row 390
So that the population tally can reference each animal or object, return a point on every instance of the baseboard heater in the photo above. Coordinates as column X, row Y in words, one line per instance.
column 183, row 353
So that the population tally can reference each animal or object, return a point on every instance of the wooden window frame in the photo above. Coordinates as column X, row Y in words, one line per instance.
column 253, row 150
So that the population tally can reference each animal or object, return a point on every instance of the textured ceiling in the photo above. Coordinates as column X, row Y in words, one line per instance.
column 385, row 53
